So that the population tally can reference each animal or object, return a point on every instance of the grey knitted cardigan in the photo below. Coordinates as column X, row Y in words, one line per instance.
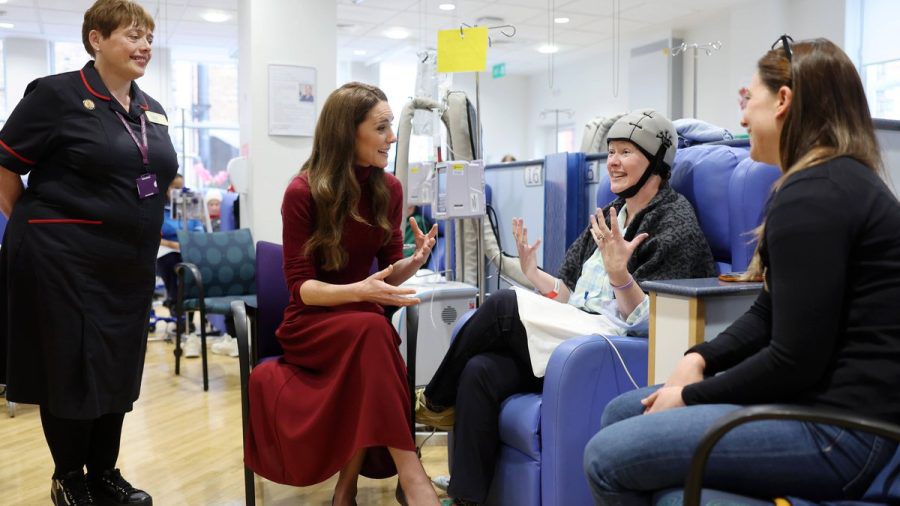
column 675, row 249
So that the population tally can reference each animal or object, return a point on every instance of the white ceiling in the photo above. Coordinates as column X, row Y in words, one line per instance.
column 362, row 23
column 178, row 22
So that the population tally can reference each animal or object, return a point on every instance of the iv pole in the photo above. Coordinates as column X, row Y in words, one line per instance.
column 556, row 112
column 708, row 48
column 479, row 155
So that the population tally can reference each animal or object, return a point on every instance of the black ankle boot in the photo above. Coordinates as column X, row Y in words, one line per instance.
column 71, row 489
column 110, row 489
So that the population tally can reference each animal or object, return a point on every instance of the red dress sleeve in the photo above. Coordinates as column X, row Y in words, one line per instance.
column 298, row 216
column 393, row 250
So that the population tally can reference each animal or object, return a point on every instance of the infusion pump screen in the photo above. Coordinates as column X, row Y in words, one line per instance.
column 441, row 189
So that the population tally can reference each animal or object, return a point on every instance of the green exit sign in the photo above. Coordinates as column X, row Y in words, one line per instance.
column 498, row 70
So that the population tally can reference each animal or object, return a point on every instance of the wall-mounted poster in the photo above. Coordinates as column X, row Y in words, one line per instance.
column 292, row 100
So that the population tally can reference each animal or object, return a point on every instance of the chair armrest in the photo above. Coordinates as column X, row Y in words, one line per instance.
column 412, row 336
column 242, row 329
column 583, row 375
column 180, row 269
column 774, row 412
column 460, row 322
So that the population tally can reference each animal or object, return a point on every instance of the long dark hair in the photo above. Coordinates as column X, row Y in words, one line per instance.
column 334, row 188
column 828, row 117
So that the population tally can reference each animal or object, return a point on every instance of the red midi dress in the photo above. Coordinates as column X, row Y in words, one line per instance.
column 341, row 385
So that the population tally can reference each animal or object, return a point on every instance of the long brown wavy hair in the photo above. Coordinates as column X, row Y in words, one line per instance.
column 334, row 188
column 828, row 117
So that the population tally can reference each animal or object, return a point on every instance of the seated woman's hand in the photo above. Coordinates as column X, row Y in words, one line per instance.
column 375, row 289
column 688, row 370
column 664, row 399
column 527, row 253
column 615, row 249
column 424, row 242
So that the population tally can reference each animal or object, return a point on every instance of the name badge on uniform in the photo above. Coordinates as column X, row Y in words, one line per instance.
column 155, row 117
column 146, row 185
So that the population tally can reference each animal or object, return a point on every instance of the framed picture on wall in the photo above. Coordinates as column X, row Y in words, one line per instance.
column 292, row 100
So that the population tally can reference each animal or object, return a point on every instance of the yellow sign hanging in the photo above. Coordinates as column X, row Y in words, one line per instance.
column 462, row 50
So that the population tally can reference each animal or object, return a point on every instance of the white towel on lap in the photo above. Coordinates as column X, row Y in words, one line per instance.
column 548, row 323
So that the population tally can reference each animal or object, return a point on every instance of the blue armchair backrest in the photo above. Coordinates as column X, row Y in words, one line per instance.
column 226, row 261
column 748, row 193
column 702, row 174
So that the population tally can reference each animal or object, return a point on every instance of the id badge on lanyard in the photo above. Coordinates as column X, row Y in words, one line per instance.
column 146, row 184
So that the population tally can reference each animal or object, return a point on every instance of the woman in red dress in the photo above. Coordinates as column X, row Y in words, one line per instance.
column 338, row 400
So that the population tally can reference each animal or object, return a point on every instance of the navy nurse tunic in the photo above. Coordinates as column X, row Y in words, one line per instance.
column 77, row 263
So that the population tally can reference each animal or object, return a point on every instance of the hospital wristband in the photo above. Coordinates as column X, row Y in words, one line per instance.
column 625, row 286
column 552, row 294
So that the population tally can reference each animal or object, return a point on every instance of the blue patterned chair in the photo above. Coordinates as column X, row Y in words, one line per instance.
column 217, row 269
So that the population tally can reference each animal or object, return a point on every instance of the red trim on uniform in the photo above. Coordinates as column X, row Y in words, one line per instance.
column 17, row 155
column 64, row 220
column 91, row 90
column 144, row 106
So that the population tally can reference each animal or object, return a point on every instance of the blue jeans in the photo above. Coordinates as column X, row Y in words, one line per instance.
column 634, row 455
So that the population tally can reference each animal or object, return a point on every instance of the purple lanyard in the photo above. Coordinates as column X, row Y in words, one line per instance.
column 144, row 147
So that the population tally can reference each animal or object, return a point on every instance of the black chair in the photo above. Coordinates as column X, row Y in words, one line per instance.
column 885, row 488
column 217, row 269
column 256, row 325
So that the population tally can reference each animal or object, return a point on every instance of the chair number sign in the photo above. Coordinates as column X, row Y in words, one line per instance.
column 534, row 175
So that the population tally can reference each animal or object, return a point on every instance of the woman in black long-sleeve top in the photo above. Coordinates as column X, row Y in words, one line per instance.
column 825, row 331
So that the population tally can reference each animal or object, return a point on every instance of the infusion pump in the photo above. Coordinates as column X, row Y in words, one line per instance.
column 455, row 189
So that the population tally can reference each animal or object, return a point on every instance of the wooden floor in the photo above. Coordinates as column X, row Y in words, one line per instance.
column 181, row 445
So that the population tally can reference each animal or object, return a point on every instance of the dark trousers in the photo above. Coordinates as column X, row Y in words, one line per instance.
column 486, row 363
column 75, row 444
column 165, row 267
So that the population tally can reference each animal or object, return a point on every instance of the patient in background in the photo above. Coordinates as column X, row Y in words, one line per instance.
column 214, row 208
column 169, row 249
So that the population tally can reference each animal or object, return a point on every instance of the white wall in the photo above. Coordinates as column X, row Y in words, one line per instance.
column 157, row 81
column 504, row 113
column 585, row 86
column 26, row 60
column 747, row 32
column 358, row 71
column 273, row 160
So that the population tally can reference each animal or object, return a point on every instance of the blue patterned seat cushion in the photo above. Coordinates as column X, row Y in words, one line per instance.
column 226, row 260
column 219, row 305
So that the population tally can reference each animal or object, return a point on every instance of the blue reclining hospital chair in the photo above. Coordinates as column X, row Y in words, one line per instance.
column 543, row 435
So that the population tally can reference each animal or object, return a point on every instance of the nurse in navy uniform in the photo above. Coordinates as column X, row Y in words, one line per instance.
column 77, row 262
